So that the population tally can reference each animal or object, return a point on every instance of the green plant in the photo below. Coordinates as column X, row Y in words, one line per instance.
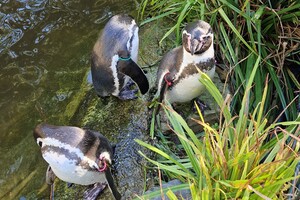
column 232, row 161
column 253, row 152
column 244, row 31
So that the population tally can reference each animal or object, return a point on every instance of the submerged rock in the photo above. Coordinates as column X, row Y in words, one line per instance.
column 182, row 194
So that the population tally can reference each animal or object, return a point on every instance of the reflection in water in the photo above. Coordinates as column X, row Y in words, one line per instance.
column 44, row 53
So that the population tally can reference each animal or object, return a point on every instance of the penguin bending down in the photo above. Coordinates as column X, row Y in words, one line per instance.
column 114, row 60
column 178, row 76
column 77, row 156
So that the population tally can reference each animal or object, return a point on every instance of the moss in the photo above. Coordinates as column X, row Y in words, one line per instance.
column 63, row 191
column 120, row 121
column 79, row 96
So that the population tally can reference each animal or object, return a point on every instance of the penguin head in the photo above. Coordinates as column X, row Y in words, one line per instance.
column 74, row 144
column 119, row 34
column 197, row 37
column 46, row 134
column 39, row 134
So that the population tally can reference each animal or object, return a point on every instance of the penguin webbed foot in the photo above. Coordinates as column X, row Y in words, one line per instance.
column 129, row 84
column 69, row 185
column 50, row 176
column 202, row 106
column 93, row 192
column 127, row 93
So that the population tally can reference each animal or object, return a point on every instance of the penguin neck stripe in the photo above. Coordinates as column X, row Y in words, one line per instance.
column 52, row 142
column 124, row 59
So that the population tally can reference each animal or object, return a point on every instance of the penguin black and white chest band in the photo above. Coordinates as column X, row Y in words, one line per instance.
column 76, row 156
column 177, row 76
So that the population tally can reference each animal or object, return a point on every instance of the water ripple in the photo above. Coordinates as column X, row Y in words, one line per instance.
column 36, row 5
column 31, row 75
column 16, row 17
column 11, row 37
column 15, row 166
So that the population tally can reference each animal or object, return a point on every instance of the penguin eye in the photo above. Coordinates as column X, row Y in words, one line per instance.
column 39, row 142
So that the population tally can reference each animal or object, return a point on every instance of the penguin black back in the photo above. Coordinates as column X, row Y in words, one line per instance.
column 73, row 136
column 77, row 155
column 114, row 59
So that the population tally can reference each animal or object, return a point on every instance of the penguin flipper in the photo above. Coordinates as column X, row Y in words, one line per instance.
column 93, row 192
column 131, row 69
column 111, row 185
column 167, row 82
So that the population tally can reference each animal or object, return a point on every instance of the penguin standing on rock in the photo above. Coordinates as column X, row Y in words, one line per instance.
column 178, row 76
column 114, row 60
column 77, row 156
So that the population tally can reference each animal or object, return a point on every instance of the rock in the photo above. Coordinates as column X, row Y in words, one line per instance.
column 182, row 194
column 121, row 122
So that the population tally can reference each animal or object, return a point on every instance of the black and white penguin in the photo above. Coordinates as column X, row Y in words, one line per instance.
column 177, row 76
column 114, row 59
column 77, row 156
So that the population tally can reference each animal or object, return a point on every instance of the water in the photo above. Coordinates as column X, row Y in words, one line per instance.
column 44, row 56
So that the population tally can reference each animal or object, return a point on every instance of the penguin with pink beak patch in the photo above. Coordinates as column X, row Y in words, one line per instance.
column 178, row 76
column 77, row 156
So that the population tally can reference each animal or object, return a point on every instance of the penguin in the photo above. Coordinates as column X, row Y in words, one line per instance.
column 77, row 156
column 178, row 75
column 114, row 60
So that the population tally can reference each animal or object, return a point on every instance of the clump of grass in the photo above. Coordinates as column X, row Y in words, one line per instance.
column 253, row 151
column 245, row 31
column 233, row 160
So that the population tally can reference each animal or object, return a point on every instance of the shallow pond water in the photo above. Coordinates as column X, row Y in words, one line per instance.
column 45, row 49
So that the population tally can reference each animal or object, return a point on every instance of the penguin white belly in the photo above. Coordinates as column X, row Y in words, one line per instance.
column 188, row 88
column 68, row 170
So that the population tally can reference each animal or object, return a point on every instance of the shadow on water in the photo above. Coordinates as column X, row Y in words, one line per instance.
column 44, row 51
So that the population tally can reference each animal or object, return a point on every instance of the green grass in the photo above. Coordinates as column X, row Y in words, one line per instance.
column 253, row 151
column 231, row 161
column 244, row 31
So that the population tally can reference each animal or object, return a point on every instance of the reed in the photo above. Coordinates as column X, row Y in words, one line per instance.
column 244, row 31
column 232, row 160
column 252, row 152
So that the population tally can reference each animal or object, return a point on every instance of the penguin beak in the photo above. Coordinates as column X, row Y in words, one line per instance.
column 196, row 45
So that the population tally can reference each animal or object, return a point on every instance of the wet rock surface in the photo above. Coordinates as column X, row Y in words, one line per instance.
column 121, row 122
column 48, row 83
column 45, row 56
column 181, row 194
